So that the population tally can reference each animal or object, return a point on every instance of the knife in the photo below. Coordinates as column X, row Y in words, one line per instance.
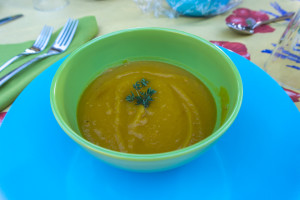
column 10, row 18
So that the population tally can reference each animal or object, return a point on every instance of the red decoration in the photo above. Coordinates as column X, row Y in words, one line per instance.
column 2, row 117
column 236, row 47
column 294, row 95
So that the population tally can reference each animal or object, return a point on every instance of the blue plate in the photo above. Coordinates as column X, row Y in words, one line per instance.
column 257, row 158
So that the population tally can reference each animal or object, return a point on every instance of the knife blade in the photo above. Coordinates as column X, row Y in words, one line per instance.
column 10, row 18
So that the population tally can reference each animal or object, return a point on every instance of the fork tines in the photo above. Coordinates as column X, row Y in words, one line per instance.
column 43, row 38
column 67, row 32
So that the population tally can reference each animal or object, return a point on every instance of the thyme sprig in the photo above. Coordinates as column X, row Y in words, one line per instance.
column 143, row 97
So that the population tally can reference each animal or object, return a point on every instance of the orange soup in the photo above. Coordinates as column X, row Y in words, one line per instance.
column 146, row 107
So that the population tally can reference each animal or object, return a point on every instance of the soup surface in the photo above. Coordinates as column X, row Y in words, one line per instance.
column 181, row 113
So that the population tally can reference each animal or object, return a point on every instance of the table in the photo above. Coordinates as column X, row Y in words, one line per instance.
column 113, row 15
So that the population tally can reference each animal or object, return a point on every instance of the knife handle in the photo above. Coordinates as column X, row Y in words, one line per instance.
column 2, row 67
column 10, row 18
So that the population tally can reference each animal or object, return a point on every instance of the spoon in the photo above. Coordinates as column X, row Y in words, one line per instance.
column 250, row 29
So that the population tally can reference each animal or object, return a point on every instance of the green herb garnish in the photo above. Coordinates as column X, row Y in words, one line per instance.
column 144, row 97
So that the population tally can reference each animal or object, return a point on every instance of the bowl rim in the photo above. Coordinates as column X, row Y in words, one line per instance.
column 157, row 156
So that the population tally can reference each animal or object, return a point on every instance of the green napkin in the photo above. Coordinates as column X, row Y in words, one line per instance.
column 86, row 30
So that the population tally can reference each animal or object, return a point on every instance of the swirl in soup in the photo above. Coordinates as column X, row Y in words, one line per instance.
column 182, row 111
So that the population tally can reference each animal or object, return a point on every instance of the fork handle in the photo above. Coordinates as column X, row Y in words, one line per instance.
column 8, row 76
column 13, row 59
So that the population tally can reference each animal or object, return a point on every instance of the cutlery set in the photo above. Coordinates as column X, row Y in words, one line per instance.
column 61, row 43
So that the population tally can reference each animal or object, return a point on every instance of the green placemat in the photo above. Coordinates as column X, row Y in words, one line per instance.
column 86, row 30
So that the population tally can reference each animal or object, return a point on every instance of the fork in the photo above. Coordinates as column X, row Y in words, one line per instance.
column 38, row 46
column 61, row 43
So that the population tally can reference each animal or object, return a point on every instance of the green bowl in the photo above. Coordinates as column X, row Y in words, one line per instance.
column 203, row 59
